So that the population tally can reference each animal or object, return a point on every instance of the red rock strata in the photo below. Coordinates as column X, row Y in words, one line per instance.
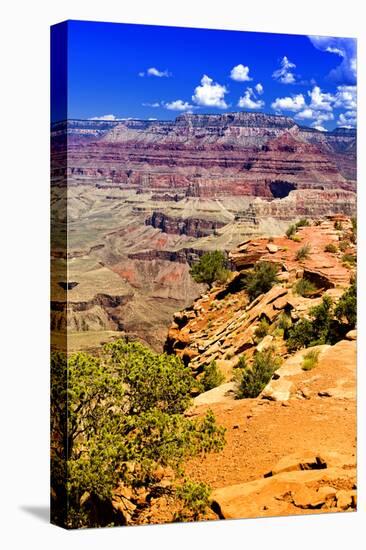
column 210, row 155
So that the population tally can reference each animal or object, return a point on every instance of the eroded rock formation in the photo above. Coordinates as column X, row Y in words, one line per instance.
column 292, row 449
column 144, row 196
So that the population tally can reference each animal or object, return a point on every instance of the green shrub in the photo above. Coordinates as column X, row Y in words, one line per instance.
column 212, row 376
column 349, row 259
column 195, row 500
column 260, row 279
column 262, row 329
column 347, row 306
column 211, row 267
column 291, row 231
column 284, row 321
column 306, row 333
column 322, row 316
column 338, row 225
column 304, row 287
column 343, row 245
column 115, row 420
column 303, row 253
column 299, row 335
column 354, row 230
column 254, row 379
column 310, row 360
column 296, row 239
column 239, row 368
column 242, row 363
column 327, row 324
column 303, row 223
column 331, row 248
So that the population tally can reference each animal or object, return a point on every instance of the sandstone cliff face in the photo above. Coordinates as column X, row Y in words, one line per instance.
column 307, row 203
column 189, row 226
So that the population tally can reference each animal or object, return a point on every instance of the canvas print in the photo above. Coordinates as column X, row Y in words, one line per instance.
column 203, row 314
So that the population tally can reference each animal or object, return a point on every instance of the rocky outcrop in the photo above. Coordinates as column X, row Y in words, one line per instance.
column 221, row 324
column 177, row 226
column 308, row 486
column 306, row 203
column 325, row 268
column 182, row 256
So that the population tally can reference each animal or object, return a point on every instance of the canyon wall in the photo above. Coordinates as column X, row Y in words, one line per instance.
column 145, row 199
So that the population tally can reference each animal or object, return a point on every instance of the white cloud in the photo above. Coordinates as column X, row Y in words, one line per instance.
column 323, row 117
column 319, row 127
column 249, row 100
column 346, row 49
column 154, row 104
column 240, row 73
column 259, row 88
column 319, row 118
column 104, row 117
column 178, row 105
column 320, row 106
column 320, row 101
column 347, row 119
column 294, row 103
column 153, row 71
column 305, row 114
column 284, row 74
column 210, row 94
column 346, row 97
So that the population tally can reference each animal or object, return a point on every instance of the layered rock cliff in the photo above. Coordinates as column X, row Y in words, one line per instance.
column 146, row 198
column 228, row 154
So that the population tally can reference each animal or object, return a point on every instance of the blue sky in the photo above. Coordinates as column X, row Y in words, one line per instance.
column 138, row 71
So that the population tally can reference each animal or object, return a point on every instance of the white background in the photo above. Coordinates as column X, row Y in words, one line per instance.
column 24, row 218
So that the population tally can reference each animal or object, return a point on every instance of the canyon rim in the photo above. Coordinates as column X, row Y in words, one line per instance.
column 203, row 274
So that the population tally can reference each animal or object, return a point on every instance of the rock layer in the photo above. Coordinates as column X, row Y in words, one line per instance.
column 208, row 155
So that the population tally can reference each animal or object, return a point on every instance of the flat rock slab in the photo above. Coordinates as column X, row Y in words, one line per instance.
column 285, row 493
column 280, row 387
column 221, row 394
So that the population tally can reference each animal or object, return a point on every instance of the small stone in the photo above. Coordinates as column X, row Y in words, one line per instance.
column 344, row 499
column 284, row 276
column 303, row 394
column 265, row 343
column 236, row 427
column 272, row 248
column 326, row 492
column 306, row 498
column 325, row 393
column 351, row 335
